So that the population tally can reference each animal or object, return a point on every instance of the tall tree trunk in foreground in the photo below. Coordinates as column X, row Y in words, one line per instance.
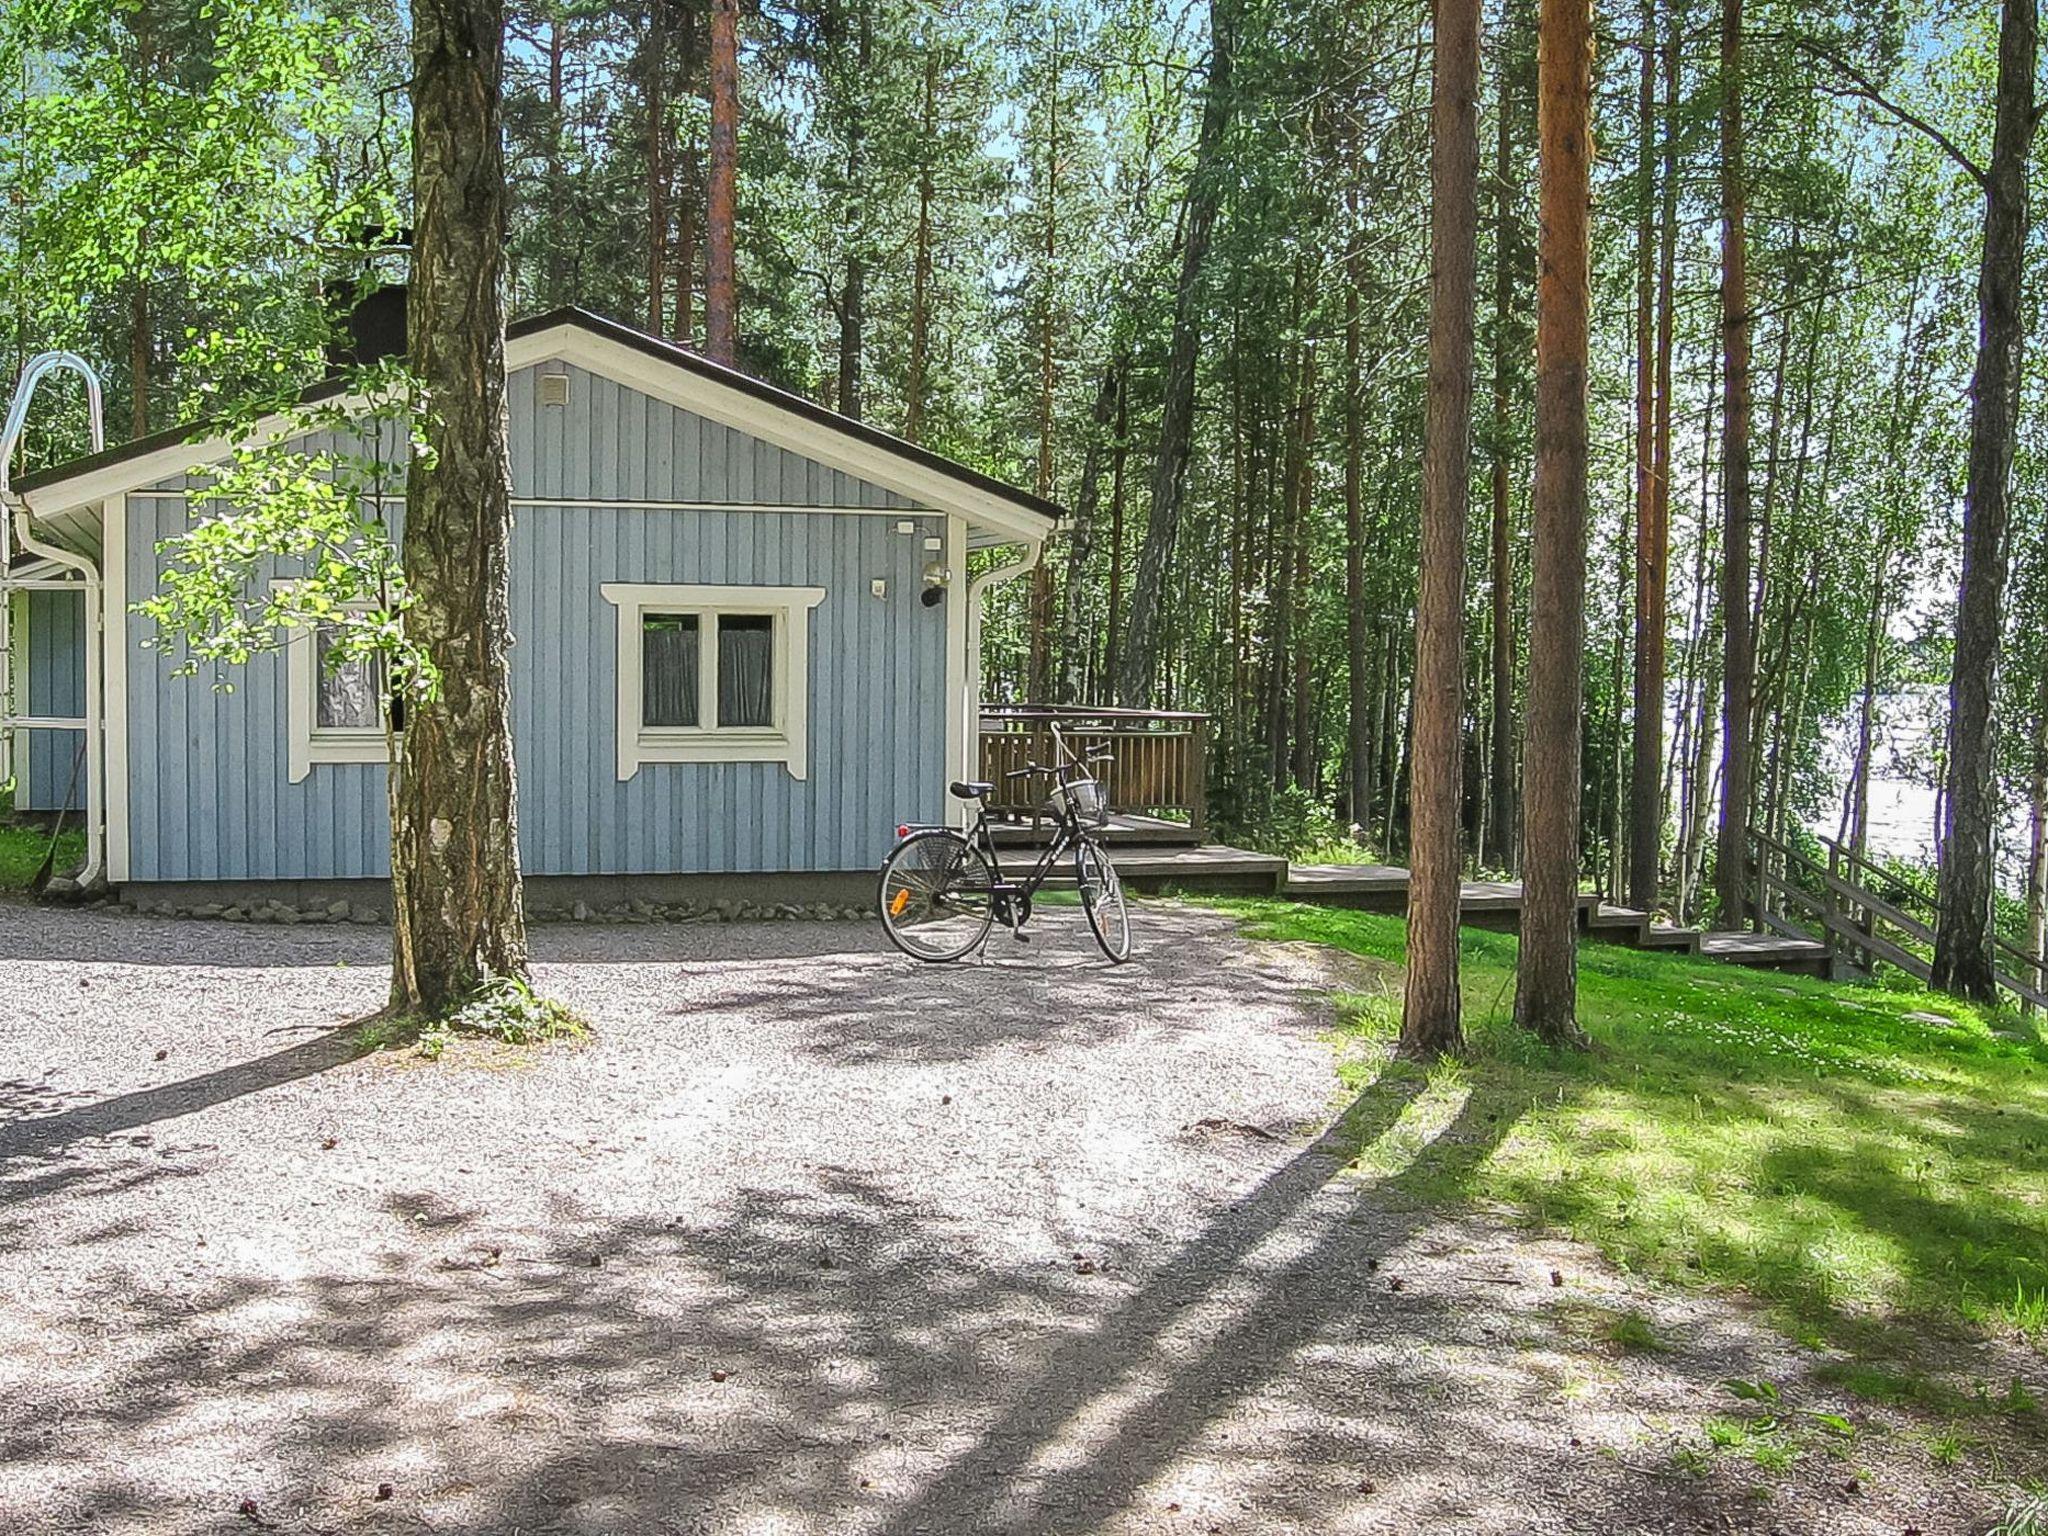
column 721, row 294
column 1653, row 492
column 1139, row 660
column 1962, row 949
column 458, row 917
column 1436, row 787
column 1546, row 978
column 1738, row 641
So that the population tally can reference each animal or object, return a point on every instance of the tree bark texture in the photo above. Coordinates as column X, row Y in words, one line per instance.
column 721, row 292
column 1653, row 491
column 1430, row 1020
column 1546, row 979
column 454, row 838
column 1738, row 640
column 1962, row 949
column 1140, row 659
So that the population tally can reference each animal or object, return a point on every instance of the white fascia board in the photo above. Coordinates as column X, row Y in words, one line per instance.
column 932, row 487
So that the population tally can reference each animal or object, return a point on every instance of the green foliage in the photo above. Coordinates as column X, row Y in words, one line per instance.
column 2026, row 1514
column 1294, row 822
column 195, row 169
column 503, row 1011
column 1868, row 1175
column 295, row 539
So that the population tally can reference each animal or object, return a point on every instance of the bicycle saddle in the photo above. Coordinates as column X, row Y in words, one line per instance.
column 969, row 791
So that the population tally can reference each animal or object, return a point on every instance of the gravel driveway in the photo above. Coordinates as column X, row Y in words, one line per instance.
column 808, row 1239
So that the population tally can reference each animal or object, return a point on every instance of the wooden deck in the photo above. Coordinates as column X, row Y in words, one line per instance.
column 1482, row 903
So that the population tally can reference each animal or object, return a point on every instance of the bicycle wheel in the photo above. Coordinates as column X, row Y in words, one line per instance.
column 1102, row 897
column 936, row 896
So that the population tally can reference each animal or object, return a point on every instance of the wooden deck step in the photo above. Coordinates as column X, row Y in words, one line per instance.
column 1606, row 915
column 1669, row 936
column 1206, row 867
column 1766, row 951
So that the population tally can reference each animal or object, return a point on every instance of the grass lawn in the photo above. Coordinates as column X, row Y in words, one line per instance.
column 1870, row 1163
column 22, row 849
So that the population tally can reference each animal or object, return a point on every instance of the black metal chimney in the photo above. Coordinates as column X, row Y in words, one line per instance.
column 373, row 329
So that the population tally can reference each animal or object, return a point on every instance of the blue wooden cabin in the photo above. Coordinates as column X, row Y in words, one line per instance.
column 746, row 641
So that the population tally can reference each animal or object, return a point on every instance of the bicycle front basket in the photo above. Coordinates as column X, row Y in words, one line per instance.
column 1085, row 798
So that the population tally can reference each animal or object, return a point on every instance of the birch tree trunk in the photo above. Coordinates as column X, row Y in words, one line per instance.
column 1962, row 948
column 458, row 918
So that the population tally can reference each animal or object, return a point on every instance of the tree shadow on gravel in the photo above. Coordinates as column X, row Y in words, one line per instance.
column 38, row 1123
column 834, row 1359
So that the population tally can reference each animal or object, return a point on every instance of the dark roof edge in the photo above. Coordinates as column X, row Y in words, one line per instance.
column 625, row 335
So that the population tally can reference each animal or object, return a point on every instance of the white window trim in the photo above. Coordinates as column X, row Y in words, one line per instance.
column 307, row 743
column 786, row 742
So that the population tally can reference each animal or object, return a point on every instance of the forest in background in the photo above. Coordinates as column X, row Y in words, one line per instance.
column 1081, row 246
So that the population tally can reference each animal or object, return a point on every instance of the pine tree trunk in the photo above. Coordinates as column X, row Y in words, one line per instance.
column 685, row 328
column 1076, row 644
column 1305, row 744
column 1546, row 979
column 1653, row 495
column 1357, row 629
column 1738, row 653
column 1505, row 853
column 1963, row 937
column 1140, row 659
column 655, row 90
column 556, row 184
column 454, row 837
column 919, row 347
column 721, row 294
column 1430, row 1022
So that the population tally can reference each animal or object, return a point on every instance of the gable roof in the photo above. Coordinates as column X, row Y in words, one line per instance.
column 639, row 361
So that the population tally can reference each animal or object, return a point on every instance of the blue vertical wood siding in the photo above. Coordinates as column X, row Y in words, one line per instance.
column 55, row 686
column 209, row 797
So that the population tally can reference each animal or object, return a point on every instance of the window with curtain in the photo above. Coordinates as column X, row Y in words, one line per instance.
column 345, row 693
column 669, row 663
column 746, row 670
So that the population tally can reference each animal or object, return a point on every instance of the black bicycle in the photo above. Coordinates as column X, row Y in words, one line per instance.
column 943, row 891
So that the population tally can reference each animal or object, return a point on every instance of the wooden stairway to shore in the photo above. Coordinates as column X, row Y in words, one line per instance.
column 1159, row 855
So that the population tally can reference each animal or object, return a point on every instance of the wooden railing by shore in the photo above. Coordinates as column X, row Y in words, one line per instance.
column 1159, row 764
column 1866, row 915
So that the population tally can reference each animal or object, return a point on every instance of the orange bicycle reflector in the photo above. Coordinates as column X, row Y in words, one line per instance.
column 901, row 901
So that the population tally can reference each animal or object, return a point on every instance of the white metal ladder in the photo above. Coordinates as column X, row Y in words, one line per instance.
column 16, row 530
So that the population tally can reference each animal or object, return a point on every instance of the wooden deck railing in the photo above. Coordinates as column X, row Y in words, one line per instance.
column 1159, row 767
column 1866, row 915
